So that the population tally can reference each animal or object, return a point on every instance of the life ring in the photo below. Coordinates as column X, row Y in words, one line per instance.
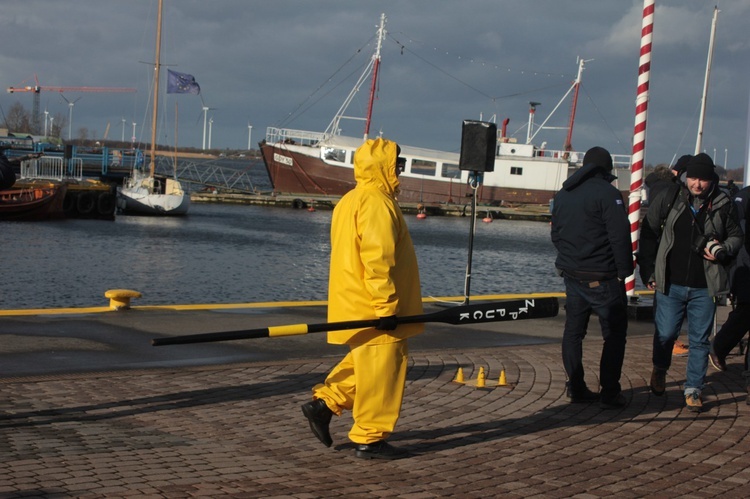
column 298, row 204
column 105, row 204
column 69, row 204
column 86, row 203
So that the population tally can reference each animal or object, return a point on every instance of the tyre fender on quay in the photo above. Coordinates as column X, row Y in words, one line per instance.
column 86, row 203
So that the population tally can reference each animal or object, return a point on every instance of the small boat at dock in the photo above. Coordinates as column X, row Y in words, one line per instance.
column 33, row 201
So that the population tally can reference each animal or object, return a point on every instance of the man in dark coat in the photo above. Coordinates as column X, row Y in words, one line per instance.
column 591, row 232
column 738, row 321
column 7, row 176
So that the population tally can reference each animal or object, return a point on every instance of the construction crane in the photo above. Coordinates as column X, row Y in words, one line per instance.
column 37, row 89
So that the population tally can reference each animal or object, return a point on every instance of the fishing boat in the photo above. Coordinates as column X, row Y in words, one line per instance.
column 33, row 201
column 300, row 162
column 142, row 193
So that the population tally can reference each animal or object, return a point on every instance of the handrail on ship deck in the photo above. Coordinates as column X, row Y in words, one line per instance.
column 276, row 135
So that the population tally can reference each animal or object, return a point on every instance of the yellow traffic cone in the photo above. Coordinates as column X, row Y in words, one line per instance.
column 481, row 378
column 502, row 381
column 459, row 376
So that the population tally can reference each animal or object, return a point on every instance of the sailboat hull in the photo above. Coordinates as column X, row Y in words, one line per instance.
column 134, row 203
column 145, row 195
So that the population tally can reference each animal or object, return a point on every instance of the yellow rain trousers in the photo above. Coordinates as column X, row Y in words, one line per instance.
column 373, row 273
column 370, row 382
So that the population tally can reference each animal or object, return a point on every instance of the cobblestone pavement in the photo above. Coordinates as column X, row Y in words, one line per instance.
column 237, row 430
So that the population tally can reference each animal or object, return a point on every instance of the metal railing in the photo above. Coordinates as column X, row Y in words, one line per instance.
column 51, row 168
column 207, row 174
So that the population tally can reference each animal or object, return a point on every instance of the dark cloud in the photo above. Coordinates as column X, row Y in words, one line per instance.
column 264, row 63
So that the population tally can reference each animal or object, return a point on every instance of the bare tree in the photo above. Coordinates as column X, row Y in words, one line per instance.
column 18, row 119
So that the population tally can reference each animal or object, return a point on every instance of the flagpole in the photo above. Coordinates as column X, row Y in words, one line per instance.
column 639, row 135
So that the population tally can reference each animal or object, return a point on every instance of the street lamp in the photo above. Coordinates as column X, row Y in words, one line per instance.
column 123, row 130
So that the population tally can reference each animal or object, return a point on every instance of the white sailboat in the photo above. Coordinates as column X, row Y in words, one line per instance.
column 142, row 193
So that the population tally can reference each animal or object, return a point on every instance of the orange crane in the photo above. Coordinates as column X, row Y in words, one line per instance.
column 37, row 89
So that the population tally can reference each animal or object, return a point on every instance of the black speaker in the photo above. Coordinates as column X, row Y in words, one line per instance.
column 478, row 144
column 68, row 153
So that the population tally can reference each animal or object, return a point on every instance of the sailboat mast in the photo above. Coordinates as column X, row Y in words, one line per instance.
column 157, row 70
column 701, row 119
column 375, row 70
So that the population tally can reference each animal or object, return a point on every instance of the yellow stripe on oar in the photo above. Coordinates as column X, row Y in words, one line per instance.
column 289, row 330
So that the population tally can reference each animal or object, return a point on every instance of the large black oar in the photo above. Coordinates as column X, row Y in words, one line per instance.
column 509, row 310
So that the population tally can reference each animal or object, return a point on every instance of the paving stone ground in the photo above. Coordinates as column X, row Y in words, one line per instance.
column 237, row 430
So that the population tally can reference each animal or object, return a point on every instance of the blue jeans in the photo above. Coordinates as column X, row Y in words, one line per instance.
column 670, row 311
column 608, row 300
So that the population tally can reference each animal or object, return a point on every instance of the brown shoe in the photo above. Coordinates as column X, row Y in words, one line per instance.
column 716, row 361
column 693, row 402
column 680, row 349
column 658, row 382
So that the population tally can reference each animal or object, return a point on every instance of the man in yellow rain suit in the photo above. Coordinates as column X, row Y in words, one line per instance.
column 373, row 274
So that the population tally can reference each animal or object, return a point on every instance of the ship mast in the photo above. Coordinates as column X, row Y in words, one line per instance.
column 375, row 70
column 701, row 119
column 157, row 67
column 568, row 139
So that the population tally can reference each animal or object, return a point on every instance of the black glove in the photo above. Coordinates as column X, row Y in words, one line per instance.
column 387, row 323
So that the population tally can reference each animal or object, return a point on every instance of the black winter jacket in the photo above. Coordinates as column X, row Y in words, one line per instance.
column 590, row 227
column 7, row 176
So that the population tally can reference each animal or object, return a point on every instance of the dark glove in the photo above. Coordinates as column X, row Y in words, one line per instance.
column 387, row 323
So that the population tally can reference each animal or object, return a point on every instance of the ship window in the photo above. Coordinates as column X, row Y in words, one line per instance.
column 516, row 170
column 331, row 154
column 422, row 167
column 450, row 170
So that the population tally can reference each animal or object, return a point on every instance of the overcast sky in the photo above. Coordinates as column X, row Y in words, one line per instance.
column 292, row 63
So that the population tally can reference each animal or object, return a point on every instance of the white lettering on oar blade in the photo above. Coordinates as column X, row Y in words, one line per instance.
column 493, row 314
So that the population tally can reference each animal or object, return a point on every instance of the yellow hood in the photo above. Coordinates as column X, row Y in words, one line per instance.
column 375, row 165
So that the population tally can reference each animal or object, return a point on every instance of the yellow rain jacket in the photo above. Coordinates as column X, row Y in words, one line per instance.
column 373, row 271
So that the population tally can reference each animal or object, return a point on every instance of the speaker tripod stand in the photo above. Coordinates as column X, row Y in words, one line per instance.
column 474, row 181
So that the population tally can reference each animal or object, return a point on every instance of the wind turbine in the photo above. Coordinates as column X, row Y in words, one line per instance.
column 210, row 127
column 205, row 111
column 70, row 115
column 249, row 136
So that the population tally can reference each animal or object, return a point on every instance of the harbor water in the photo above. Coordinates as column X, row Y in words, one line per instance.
column 237, row 254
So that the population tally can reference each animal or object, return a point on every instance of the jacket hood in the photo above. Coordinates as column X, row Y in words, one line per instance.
column 586, row 172
column 375, row 165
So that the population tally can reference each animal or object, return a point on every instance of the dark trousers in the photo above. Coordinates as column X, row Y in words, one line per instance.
column 733, row 330
column 608, row 301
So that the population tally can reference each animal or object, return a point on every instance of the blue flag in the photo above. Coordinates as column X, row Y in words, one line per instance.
column 181, row 83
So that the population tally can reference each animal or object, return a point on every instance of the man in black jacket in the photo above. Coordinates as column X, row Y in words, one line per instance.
column 591, row 232
column 7, row 176
column 738, row 321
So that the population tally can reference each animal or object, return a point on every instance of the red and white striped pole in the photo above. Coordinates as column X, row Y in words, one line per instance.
column 639, row 133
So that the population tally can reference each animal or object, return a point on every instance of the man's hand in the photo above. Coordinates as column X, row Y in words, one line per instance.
column 387, row 323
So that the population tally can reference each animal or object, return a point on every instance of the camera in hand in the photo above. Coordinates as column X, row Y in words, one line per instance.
column 709, row 241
